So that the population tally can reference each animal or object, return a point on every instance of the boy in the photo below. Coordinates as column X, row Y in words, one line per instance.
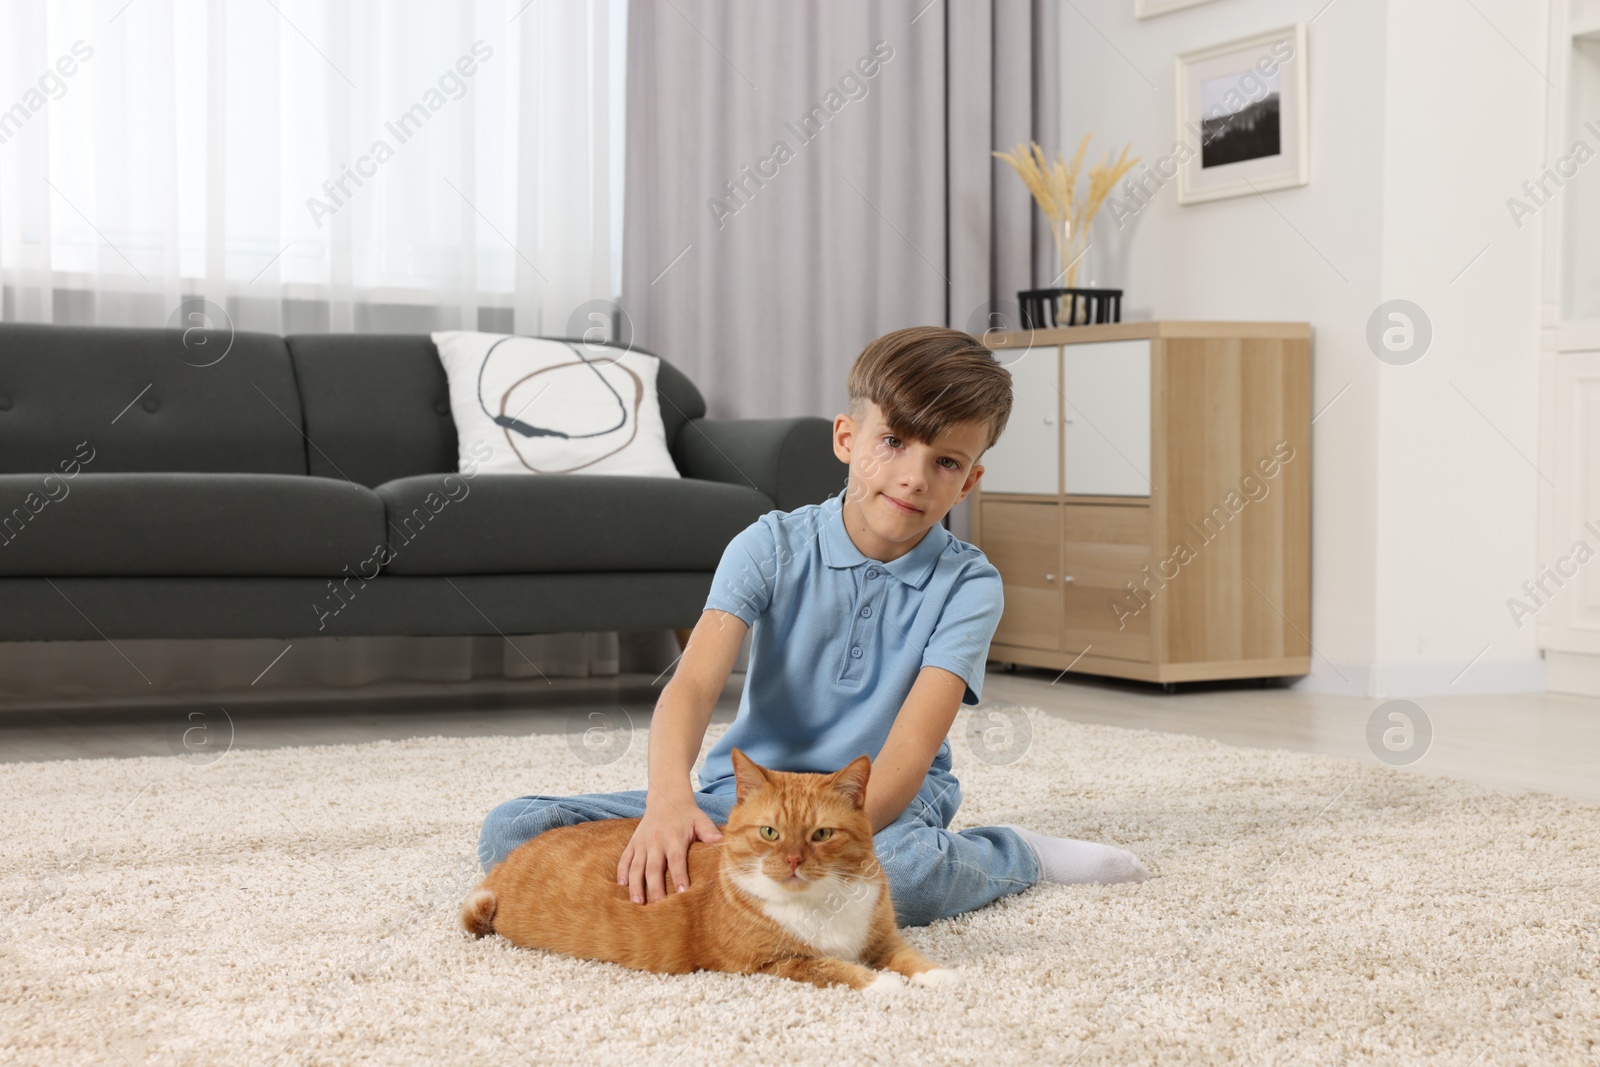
column 871, row 628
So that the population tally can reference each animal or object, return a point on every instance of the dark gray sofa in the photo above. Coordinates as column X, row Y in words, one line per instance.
column 306, row 486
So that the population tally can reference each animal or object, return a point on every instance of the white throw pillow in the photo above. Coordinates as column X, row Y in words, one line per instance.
column 554, row 407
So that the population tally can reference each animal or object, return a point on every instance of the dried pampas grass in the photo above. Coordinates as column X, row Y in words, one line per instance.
column 1054, row 186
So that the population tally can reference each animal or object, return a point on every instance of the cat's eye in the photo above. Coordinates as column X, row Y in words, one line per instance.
column 823, row 833
column 769, row 832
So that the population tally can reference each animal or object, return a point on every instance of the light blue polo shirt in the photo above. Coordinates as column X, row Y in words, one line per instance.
column 837, row 639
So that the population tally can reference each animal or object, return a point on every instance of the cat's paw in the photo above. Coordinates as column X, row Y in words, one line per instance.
column 938, row 977
column 887, row 984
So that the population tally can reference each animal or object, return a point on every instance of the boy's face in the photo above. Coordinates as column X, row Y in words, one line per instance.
column 900, row 489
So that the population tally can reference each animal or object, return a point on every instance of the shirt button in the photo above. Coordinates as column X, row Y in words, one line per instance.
column 872, row 573
column 866, row 612
column 855, row 653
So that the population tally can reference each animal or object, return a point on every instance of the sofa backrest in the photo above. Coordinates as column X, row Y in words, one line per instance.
column 147, row 400
column 680, row 400
column 377, row 406
column 366, row 407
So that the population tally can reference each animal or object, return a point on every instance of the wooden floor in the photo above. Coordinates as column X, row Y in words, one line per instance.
column 1543, row 741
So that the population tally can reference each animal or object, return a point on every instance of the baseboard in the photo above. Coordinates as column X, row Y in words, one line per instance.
column 1573, row 672
column 1380, row 681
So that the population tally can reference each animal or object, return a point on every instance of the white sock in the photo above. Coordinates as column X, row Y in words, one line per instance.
column 1066, row 861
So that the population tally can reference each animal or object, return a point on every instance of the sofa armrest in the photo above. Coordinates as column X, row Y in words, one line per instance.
column 790, row 460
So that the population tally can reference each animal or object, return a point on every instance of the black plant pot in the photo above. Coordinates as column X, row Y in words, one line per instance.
column 1083, row 307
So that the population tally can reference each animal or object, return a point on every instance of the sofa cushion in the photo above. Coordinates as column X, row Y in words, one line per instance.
column 538, row 524
column 185, row 524
column 377, row 406
column 147, row 400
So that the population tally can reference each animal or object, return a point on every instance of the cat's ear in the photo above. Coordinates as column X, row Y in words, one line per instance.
column 748, row 775
column 852, row 781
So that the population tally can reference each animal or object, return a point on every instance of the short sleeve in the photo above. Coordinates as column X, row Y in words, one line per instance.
column 960, row 640
column 747, row 573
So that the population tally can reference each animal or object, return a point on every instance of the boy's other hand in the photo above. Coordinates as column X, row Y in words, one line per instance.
column 661, row 843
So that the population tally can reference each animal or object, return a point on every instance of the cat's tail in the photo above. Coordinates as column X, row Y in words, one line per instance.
column 477, row 914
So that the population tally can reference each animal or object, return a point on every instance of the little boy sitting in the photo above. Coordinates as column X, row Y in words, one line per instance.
column 870, row 625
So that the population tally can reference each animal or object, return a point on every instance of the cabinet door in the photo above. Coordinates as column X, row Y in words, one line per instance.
column 1023, row 541
column 1027, row 458
column 1571, row 621
column 1103, row 547
column 1106, row 418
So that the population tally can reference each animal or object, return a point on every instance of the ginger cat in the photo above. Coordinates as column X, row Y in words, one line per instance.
column 792, row 889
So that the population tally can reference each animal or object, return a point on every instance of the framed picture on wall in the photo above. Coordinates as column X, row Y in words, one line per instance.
column 1149, row 8
column 1242, row 115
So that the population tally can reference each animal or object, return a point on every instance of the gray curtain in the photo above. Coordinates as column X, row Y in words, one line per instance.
column 802, row 178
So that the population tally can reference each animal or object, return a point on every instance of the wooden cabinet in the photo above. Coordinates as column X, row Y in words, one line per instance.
column 1148, row 506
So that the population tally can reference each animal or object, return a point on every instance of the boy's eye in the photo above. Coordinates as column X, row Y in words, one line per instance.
column 894, row 442
column 769, row 832
column 823, row 833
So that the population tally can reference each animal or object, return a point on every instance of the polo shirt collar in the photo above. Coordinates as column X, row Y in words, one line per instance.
column 913, row 568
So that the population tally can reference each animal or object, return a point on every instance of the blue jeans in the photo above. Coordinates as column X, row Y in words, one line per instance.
column 933, row 873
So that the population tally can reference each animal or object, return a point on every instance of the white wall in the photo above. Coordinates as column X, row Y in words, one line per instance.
column 1424, row 118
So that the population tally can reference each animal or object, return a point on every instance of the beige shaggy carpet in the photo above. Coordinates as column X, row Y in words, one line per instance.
column 298, row 906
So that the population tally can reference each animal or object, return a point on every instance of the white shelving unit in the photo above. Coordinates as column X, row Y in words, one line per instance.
column 1569, row 380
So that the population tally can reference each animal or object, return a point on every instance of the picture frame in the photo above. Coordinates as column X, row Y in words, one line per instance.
column 1242, row 113
column 1149, row 9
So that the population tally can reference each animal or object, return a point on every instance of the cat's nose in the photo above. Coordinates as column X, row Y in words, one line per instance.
column 794, row 863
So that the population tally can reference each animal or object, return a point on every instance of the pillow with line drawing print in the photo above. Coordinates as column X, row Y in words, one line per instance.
column 553, row 407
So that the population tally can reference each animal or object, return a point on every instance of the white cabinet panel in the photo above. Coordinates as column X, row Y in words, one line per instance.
column 1027, row 458
column 1107, row 420
column 1567, row 608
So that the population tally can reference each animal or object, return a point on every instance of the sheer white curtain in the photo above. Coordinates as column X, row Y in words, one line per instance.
column 316, row 165
column 304, row 160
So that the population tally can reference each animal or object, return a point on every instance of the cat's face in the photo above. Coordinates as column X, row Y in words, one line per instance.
column 794, row 833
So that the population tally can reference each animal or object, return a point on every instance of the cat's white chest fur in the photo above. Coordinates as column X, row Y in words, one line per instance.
column 833, row 916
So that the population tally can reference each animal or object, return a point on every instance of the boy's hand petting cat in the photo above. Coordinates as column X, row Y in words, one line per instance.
column 661, row 843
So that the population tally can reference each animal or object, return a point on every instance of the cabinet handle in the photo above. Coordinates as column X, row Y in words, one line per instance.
column 1066, row 579
column 1049, row 577
column 1049, row 420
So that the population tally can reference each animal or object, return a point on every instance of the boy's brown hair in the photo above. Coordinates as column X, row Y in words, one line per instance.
column 925, row 379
